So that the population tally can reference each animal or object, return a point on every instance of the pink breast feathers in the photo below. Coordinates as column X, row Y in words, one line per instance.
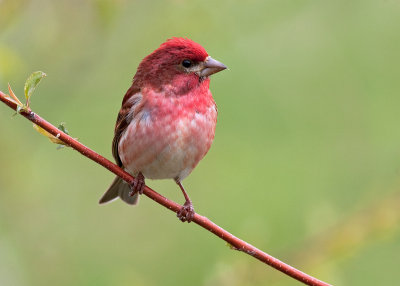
column 169, row 136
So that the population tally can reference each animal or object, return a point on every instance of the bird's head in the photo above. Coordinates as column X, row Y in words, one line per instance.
column 178, row 61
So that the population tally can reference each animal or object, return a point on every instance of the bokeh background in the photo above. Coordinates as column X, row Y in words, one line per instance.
column 305, row 164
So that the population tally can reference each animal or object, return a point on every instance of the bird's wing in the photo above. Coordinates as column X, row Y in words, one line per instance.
column 131, row 105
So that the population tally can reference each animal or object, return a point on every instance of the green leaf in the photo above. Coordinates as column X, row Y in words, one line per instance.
column 63, row 128
column 31, row 83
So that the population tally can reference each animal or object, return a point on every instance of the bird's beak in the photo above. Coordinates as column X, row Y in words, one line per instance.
column 211, row 66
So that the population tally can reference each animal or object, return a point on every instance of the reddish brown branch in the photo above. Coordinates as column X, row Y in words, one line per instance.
column 236, row 243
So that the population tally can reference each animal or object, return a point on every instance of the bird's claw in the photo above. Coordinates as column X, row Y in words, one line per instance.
column 137, row 185
column 186, row 213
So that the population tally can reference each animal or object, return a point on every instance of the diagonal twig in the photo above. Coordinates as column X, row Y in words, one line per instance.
column 204, row 222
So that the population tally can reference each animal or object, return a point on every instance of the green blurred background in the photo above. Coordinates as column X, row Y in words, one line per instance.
column 305, row 163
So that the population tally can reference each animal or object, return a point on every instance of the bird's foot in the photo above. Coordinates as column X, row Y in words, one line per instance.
column 137, row 185
column 186, row 213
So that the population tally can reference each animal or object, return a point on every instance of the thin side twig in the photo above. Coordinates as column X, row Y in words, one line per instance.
column 204, row 222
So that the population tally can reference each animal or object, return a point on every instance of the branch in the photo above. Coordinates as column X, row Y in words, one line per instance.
column 204, row 222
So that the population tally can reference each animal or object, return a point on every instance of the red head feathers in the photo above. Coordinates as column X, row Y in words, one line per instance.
column 161, row 65
column 183, row 47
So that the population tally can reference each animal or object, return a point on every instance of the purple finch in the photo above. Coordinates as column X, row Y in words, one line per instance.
column 167, row 120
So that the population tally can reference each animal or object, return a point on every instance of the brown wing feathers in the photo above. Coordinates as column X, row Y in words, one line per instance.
column 125, row 116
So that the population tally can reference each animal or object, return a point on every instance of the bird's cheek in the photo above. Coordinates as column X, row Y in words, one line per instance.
column 183, row 84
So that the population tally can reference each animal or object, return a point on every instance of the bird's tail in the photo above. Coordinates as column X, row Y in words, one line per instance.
column 119, row 188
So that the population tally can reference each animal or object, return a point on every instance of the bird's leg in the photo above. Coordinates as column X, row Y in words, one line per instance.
column 137, row 185
column 186, row 213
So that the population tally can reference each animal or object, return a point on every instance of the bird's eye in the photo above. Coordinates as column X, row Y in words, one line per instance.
column 187, row 63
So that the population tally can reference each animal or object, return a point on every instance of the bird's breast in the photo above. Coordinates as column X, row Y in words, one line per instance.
column 169, row 136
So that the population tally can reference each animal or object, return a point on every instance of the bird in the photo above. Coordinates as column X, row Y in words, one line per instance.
column 167, row 120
